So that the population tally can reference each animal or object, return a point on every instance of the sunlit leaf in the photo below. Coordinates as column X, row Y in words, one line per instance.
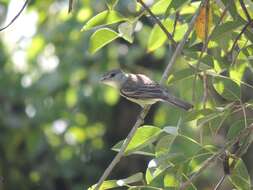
column 157, row 37
column 161, row 6
column 224, row 29
column 175, row 5
column 171, row 130
column 180, row 31
column 111, row 3
column 100, row 38
column 143, row 136
column 103, row 18
column 106, row 185
column 227, row 88
column 126, row 30
column 131, row 179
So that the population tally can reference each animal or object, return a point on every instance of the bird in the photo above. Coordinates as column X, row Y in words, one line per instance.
column 140, row 89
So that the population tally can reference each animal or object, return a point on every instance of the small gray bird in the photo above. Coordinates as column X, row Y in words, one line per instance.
column 140, row 89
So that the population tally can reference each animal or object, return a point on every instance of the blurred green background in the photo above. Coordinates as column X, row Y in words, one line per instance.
column 57, row 123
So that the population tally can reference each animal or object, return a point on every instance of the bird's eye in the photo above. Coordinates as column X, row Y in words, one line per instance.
column 113, row 74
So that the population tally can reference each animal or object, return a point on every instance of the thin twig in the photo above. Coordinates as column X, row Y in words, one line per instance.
column 169, row 36
column 245, row 10
column 175, row 23
column 239, row 35
column 205, row 89
column 220, row 182
column 71, row 2
column 15, row 18
column 211, row 159
column 145, row 110
column 235, row 56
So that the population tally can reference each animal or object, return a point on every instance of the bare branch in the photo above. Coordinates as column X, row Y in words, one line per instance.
column 146, row 109
column 15, row 18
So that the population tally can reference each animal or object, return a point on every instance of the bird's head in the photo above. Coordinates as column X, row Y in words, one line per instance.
column 114, row 78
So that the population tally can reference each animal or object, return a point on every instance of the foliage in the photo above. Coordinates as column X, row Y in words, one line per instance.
column 56, row 120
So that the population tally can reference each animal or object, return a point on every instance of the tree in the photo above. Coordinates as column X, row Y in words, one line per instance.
column 61, row 120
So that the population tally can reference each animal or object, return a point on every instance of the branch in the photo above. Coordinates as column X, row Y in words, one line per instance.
column 70, row 5
column 245, row 10
column 120, row 154
column 239, row 35
column 175, row 23
column 146, row 109
column 211, row 159
column 169, row 36
column 15, row 18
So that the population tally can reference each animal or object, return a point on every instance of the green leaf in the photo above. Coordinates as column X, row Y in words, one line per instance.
column 240, row 177
column 171, row 130
column 143, row 137
column 198, row 159
column 197, row 114
column 186, row 146
column 126, row 30
column 225, row 29
column 227, row 88
column 119, row 183
column 100, row 38
column 105, row 185
column 180, row 31
column 175, row 5
column 163, row 145
column 209, row 118
column 235, row 129
column 181, row 75
column 160, row 7
column 132, row 179
column 146, row 151
column 157, row 37
column 111, row 3
column 102, row 19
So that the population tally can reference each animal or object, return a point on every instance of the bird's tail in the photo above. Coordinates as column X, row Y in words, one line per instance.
column 179, row 103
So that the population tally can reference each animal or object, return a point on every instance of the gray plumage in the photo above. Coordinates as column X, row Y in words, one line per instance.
column 140, row 89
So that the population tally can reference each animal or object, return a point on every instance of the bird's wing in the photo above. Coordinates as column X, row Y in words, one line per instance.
column 152, row 91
